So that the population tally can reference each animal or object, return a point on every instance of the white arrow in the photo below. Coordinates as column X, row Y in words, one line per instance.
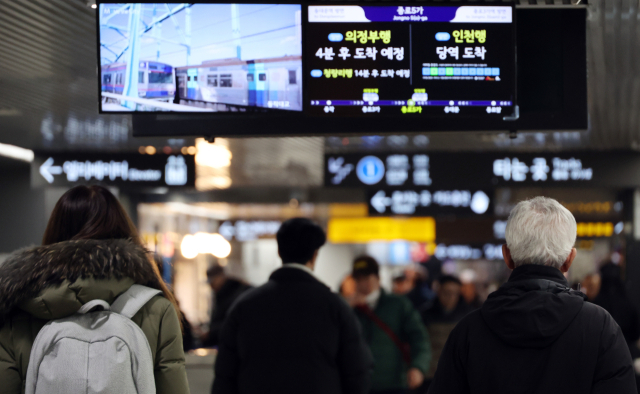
column 48, row 170
column 380, row 201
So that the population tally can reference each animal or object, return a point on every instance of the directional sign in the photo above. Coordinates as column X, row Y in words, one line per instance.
column 444, row 170
column 427, row 202
column 124, row 170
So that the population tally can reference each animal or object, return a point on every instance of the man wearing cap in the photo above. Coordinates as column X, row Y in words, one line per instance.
column 393, row 330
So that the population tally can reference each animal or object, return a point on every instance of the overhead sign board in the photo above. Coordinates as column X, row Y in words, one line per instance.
column 249, row 230
column 487, row 251
column 427, row 202
column 363, row 230
column 444, row 170
column 125, row 170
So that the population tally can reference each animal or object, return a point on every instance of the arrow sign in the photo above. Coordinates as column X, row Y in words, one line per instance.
column 48, row 170
column 380, row 201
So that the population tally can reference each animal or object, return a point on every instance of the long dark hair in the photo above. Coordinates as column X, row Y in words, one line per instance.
column 92, row 212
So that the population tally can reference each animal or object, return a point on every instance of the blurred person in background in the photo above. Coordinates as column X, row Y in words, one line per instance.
column 226, row 291
column 614, row 299
column 393, row 330
column 293, row 335
column 535, row 334
column 441, row 317
column 347, row 287
column 590, row 286
column 400, row 284
column 421, row 293
column 188, row 340
column 90, row 251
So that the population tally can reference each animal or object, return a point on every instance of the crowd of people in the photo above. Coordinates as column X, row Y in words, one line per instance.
column 70, row 308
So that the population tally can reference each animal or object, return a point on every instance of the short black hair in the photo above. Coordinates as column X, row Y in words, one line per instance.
column 298, row 239
column 449, row 279
column 215, row 270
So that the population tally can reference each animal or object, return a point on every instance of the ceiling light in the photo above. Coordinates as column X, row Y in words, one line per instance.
column 205, row 243
column 16, row 152
column 189, row 247
column 212, row 155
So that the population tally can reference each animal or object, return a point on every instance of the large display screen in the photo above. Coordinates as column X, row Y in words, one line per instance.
column 366, row 69
column 411, row 60
column 200, row 57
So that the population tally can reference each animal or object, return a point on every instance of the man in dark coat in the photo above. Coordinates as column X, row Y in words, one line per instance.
column 226, row 291
column 535, row 335
column 441, row 317
column 293, row 335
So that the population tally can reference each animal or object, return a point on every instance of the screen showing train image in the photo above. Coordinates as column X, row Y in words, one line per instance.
column 411, row 60
column 186, row 57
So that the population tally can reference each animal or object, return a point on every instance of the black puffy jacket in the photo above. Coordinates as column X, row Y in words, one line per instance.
column 536, row 336
column 292, row 336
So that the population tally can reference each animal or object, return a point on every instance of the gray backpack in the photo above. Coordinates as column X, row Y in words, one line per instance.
column 97, row 350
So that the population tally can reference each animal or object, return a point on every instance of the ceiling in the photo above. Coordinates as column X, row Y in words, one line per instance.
column 49, row 93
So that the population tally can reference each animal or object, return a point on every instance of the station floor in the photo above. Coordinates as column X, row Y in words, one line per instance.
column 199, row 365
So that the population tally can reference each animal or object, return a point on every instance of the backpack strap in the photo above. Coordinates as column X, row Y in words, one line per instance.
column 405, row 348
column 132, row 300
column 89, row 306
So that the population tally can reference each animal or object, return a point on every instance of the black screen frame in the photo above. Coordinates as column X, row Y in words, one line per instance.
column 572, row 116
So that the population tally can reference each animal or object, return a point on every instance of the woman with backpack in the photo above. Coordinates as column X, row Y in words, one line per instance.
column 90, row 255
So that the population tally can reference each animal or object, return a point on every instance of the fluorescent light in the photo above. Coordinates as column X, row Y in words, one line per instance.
column 16, row 152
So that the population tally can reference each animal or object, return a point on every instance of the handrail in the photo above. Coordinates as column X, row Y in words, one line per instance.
column 157, row 104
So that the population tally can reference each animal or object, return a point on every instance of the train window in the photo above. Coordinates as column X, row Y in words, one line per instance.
column 160, row 77
column 212, row 80
column 140, row 76
column 250, row 77
column 226, row 81
column 292, row 77
column 106, row 79
column 119, row 79
column 262, row 77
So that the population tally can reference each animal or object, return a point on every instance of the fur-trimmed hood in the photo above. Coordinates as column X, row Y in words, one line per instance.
column 53, row 281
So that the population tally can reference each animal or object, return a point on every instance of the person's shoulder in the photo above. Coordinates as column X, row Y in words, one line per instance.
column 471, row 320
column 399, row 301
column 395, row 298
column 592, row 310
column 158, row 305
column 594, row 317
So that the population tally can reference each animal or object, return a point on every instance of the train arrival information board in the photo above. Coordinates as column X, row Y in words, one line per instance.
column 411, row 60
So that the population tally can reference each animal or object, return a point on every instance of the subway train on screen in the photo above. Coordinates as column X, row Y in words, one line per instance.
column 155, row 80
column 268, row 83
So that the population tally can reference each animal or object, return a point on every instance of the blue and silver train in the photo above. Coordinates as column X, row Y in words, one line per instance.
column 267, row 83
column 155, row 80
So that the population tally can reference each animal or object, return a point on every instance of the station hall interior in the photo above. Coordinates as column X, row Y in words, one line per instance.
column 219, row 122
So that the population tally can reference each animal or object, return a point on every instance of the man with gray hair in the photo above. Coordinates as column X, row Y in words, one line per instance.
column 535, row 335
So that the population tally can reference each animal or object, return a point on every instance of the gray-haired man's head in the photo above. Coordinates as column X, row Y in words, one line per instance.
column 540, row 231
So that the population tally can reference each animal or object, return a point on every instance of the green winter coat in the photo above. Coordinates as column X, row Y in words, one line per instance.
column 52, row 282
column 390, row 371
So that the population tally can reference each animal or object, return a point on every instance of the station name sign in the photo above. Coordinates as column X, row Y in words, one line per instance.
column 443, row 170
column 124, row 170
